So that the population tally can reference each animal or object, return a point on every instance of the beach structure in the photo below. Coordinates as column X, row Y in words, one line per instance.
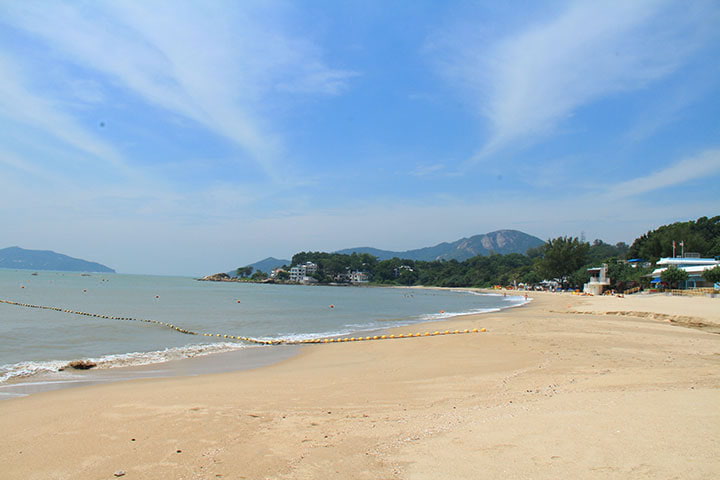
column 637, row 263
column 693, row 265
column 598, row 280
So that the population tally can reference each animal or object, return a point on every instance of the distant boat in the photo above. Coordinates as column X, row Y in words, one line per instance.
column 35, row 273
column 85, row 275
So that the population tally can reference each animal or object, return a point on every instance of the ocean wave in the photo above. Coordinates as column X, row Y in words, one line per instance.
column 133, row 359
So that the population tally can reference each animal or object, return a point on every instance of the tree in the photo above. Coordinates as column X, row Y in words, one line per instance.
column 622, row 276
column 259, row 275
column 673, row 276
column 562, row 256
column 712, row 274
column 600, row 251
column 407, row 277
column 244, row 271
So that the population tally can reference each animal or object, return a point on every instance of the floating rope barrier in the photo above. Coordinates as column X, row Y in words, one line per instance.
column 249, row 339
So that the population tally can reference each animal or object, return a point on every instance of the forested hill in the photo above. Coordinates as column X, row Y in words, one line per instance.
column 698, row 236
column 20, row 258
column 501, row 242
column 563, row 259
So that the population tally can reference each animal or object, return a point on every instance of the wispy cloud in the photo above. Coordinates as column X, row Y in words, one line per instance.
column 217, row 63
column 705, row 164
column 19, row 104
column 527, row 83
column 425, row 169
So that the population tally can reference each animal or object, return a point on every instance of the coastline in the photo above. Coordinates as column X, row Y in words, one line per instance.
column 201, row 360
column 558, row 388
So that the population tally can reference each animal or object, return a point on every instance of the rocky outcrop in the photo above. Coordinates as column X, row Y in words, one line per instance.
column 217, row 277
column 80, row 365
column 500, row 241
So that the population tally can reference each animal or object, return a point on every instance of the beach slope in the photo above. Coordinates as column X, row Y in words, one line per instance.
column 555, row 389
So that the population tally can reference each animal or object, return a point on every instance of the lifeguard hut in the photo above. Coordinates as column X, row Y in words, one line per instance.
column 598, row 280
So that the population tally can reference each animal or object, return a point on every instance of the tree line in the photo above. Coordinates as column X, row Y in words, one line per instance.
column 562, row 259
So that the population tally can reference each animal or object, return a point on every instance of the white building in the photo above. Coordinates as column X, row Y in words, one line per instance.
column 359, row 277
column 274, row 273
column 299, row 273
column 693, row 266
column 598, row 280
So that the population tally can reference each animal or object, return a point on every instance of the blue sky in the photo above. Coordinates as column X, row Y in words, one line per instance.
column 193, row 137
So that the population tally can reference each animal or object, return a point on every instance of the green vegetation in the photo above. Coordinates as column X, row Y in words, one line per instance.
column 701, row 235
column 563, row 261
column 562, row 256
column 243, row 272
column 258, row 276
column 673, row 276
column 712, row 275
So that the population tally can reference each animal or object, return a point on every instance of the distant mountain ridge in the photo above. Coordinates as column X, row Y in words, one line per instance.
column 501, row 242
column 20, row 258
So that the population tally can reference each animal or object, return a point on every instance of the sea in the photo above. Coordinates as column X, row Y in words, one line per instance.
column 36, row 344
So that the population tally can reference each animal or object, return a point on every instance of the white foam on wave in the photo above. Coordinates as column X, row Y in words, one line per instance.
column 430, row 317
column 28, row 369
column 299, row 337
column 132, row 359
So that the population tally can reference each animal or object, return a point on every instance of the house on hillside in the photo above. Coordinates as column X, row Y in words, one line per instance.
column 692, row 264
column 359, row 277
column 276, row 272
column 303, row 273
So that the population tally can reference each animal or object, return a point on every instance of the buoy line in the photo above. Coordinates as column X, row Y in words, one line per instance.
column 249, row 339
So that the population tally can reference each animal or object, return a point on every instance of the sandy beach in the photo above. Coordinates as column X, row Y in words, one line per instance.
column 565, row 387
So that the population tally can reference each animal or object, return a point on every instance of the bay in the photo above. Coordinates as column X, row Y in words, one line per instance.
column 42, row 341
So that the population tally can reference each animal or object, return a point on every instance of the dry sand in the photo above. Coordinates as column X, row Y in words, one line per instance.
column 550, row 391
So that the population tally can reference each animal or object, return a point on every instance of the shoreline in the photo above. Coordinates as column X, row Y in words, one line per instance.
column 547, row 392
column 243, row 358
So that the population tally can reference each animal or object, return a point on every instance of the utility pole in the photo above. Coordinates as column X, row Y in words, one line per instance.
column 673, row 248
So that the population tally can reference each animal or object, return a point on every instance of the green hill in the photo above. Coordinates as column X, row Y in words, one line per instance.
column 20, row 258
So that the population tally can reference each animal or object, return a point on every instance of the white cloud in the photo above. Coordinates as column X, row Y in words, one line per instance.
column 528, row 83
column 705, row 164
column 143, row 231
column 216, row 63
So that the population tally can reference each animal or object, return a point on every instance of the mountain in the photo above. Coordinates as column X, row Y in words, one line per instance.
column 501, row 241
column 19, row 258
column 267, row 265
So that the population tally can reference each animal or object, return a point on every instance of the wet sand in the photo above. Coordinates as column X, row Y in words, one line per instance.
column 555, row 389
column 234, row 360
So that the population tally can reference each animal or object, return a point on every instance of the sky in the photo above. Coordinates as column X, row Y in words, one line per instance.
column 188, row 138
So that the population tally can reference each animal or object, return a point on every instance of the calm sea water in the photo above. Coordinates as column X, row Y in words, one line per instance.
column 40, row 341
